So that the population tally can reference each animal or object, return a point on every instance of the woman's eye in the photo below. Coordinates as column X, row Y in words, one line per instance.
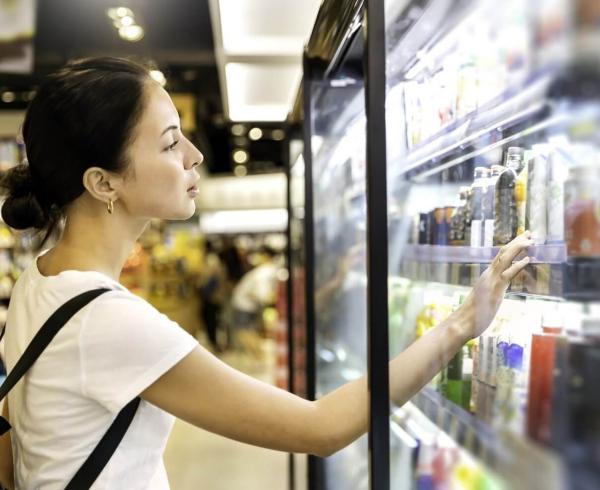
column 172, row 145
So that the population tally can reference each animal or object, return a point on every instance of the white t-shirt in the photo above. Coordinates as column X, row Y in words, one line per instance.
column 104, row 357
column 256, row 288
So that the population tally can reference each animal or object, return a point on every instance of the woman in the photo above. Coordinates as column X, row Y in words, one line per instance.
column 106, row 153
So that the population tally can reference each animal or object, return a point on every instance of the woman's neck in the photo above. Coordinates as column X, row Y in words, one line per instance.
column 93, row 240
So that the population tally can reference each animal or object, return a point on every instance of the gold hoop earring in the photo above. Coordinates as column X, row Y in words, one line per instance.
column 110, row 206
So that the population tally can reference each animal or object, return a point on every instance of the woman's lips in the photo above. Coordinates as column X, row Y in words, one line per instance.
column 193, row 191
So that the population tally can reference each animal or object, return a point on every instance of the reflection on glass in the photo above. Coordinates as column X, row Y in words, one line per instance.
column 338, row 141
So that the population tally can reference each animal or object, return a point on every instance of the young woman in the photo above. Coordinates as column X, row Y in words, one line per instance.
column 106, row 154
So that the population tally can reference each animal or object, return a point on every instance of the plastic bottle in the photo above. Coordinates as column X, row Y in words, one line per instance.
column 505, row 203
column 582, row 202
column 541, row 378
column 481, row 175
column 460, row 218
column 521, row 198
column 537, row 191
column 489, row 211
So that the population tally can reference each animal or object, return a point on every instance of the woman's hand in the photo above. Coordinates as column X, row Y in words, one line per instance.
column 488, row 293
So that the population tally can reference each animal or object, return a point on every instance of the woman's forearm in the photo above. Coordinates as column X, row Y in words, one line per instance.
column 421, row 361
column 344, row 412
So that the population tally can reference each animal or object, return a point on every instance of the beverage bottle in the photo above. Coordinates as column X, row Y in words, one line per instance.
column 521, row 198
column 489, row 211
column 537, row 193
column 541, row 379
column 505, row 203
column 481, row 175
column 459, row 218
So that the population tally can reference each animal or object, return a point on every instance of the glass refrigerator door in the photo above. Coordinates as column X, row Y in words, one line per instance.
column 493, row 128
column 338, row 186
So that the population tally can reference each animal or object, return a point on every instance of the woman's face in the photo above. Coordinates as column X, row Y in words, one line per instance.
column 162, row 162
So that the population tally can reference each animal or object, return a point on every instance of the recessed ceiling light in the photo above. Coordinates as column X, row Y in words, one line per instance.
column 124, row 11
column 240, row 156
column 158, row 76
column 124, row 22
column 240, row 171
column 238, row 129
column 119, row 12
column 131, row 33
column 8, row 97
column 255, row 134
column 278, row 134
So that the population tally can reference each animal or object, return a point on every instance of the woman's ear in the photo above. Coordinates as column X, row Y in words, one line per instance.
column 100, row 184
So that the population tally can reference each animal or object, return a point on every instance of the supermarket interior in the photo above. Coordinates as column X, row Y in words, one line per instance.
column 367, row 166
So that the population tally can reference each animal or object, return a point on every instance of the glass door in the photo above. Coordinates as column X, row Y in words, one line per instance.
column 493, row 128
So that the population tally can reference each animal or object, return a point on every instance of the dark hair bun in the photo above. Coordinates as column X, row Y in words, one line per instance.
column 21, row 209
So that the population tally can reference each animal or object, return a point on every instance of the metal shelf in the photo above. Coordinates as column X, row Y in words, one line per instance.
column 542, row 254
column 462, row 266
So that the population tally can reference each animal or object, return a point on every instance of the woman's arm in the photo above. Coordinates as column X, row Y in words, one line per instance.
column 209, row 394
column 6, row 460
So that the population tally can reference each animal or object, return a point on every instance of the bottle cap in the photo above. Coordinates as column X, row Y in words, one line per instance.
column 516, row 150
column 514, row 356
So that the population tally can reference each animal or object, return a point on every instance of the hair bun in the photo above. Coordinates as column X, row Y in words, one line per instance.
column 21, row 209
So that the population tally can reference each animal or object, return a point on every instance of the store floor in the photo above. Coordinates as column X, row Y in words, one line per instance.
column 198, row 460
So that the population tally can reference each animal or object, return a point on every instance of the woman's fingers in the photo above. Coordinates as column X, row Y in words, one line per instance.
column 511, row 251
column 510, row 273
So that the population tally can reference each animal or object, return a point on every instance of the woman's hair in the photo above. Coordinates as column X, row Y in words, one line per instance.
column 82, row 116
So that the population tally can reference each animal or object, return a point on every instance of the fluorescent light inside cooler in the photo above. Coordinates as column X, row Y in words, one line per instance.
column 266, row 27
column 261, row 92
column 244, row 221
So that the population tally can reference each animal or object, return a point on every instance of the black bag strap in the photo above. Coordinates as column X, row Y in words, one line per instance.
column 102, row 453
column 100, row 456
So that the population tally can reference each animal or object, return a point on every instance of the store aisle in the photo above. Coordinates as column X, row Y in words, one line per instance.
column 198, row 460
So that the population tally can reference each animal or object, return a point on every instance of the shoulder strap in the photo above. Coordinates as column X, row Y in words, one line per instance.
column 95, row 463
column 100, row 456
column 44, row 336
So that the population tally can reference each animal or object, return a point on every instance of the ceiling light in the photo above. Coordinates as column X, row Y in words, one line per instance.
column 131, row 33
column 238, row 129
column 119, row 12
column 240, row 156
column 243, row 221
column 240, row 171
column 124, row 22
column 8, row 97
column 261, row 91
column 124, row 11
column 255, row 134
column 268, row 27
column 278, row 134
column 158, row 76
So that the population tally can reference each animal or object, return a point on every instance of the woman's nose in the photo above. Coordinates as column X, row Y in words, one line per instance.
column 196, row 158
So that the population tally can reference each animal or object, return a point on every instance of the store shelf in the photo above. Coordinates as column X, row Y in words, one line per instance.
column 462, row 266
column 469, row 136
column 551, row 274
column 514, row 116
column 543, row 254
column 504, row 452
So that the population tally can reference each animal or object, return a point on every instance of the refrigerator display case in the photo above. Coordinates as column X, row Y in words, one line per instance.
column 493, row 127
